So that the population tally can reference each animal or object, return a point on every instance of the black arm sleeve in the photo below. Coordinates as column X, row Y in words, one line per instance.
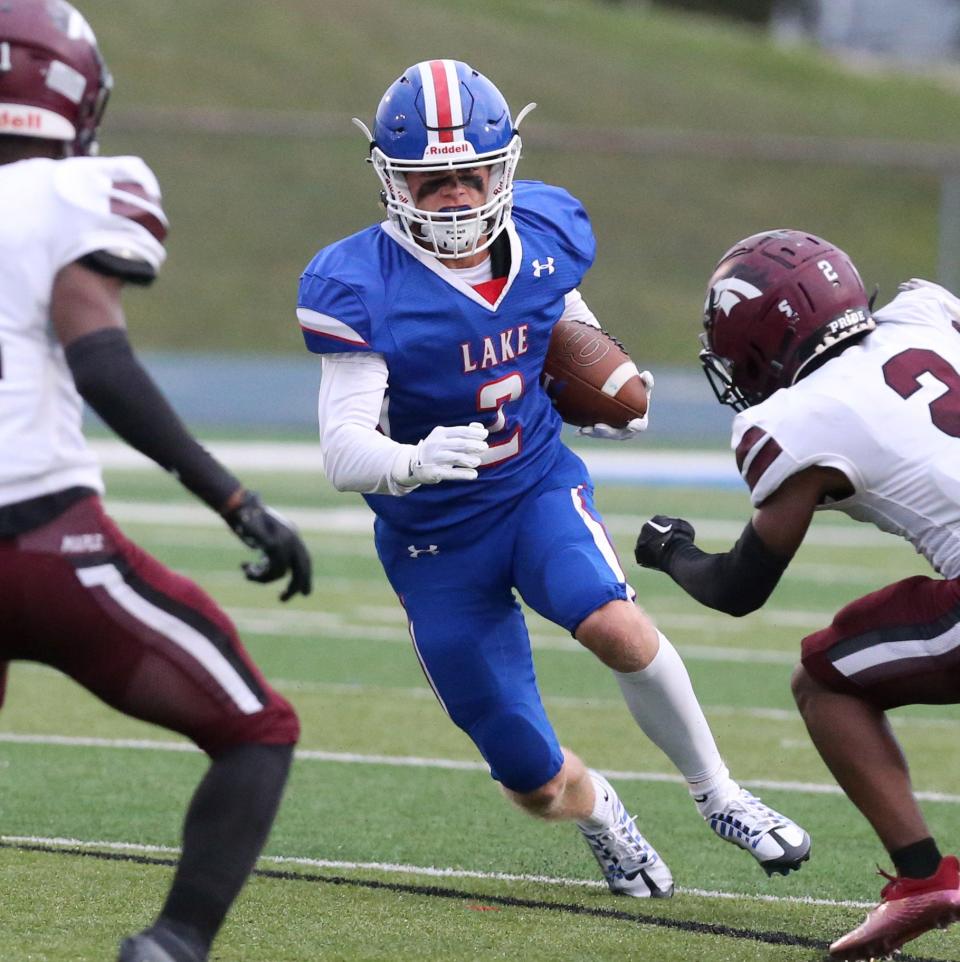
column 112, row 381
column 737, row 582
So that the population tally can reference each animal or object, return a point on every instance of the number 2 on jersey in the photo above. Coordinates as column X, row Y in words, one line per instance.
column 492, row 397
column 903, row 373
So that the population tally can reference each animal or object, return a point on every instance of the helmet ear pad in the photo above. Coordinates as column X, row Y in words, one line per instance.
column 780, row 304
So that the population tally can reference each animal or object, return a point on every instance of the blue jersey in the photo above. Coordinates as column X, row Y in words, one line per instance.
column 452, row 356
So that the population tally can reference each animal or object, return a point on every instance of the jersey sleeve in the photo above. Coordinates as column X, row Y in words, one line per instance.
column 111, row 217
column 333, row 317
column 923, row 302
column 553, row 211
column 784, row 435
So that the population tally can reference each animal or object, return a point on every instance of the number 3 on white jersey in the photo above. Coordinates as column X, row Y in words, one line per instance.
column 492, row 397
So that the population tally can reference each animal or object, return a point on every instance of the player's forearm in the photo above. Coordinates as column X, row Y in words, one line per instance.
column 356, row 458
column 737, row 581
column 356, row 455
column 115, row 385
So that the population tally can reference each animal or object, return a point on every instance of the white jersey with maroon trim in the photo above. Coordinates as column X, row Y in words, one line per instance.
column 56, row 212
column 885, row 412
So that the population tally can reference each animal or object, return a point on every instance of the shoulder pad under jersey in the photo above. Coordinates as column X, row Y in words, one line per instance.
column 111, row 216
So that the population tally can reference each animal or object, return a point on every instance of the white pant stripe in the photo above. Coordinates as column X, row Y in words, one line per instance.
column 601, row 540
column 890, row 652
column 423, row 666
column 179, row 632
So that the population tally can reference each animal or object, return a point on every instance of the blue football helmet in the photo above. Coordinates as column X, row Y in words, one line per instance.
column 440, row 115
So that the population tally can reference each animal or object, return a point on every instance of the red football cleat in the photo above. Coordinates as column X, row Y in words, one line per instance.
column 908, row 908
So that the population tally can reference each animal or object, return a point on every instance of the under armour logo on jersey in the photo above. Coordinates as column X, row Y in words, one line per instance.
column 539, row 268
column 726, row 294
column 415, row 552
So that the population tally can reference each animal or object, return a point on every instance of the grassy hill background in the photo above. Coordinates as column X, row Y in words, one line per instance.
column 242, row 108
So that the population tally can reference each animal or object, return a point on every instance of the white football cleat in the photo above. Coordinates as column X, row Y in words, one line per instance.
column 629, row 863
column 776, row 842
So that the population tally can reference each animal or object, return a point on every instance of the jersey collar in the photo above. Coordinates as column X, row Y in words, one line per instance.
column 450, row 277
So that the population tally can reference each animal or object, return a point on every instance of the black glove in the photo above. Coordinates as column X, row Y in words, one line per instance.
column 260, row 528
column 658, row 538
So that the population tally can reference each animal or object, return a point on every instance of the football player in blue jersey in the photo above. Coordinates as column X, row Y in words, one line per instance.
column 433, row 327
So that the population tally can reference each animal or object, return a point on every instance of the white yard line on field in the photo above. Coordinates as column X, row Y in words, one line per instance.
column 317, row 624
column 414, row 761
column 359, row 520
column 598, row 702
column 431, row 871
column 632, row 466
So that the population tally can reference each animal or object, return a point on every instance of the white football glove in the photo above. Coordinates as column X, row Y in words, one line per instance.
column 446, row 454
column 632, row 429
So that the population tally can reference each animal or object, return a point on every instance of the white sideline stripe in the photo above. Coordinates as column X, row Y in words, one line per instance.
column 429, row 870
column 581, row 703
column 360, row 521
column 314, row 624
column 278, row 626
column 633, row 467
column 179, row 632
column 414, row 761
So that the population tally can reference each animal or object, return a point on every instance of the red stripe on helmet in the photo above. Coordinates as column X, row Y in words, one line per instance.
column 444, row 110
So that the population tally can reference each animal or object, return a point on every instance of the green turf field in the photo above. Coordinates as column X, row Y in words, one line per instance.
column 393, row 844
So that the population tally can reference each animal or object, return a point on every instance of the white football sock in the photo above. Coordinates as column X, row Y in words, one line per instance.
column 604, row 803
column 662, row 701
column 712, row 794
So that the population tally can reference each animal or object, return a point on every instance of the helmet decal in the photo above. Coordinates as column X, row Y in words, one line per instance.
column 726, row 294
column 442, row 105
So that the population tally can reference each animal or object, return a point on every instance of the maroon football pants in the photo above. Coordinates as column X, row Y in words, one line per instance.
column 78, row 595
column 897, row 646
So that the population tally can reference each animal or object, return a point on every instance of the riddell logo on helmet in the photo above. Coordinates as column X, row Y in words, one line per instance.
column 441, row 150
column 11, row 121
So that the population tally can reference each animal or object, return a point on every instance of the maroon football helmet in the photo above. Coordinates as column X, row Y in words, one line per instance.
column 53, row 82
column 778, row 305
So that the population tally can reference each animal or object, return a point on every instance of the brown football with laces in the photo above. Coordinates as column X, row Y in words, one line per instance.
column 590, row 377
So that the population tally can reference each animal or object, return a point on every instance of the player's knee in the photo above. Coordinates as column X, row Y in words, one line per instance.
column 275, row 724
column 542, row 802
column 522, row 756
column 620, row 635
column 804, row 687
column 280, row 724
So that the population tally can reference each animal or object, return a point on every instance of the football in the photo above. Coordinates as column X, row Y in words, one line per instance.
column 590, row 378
